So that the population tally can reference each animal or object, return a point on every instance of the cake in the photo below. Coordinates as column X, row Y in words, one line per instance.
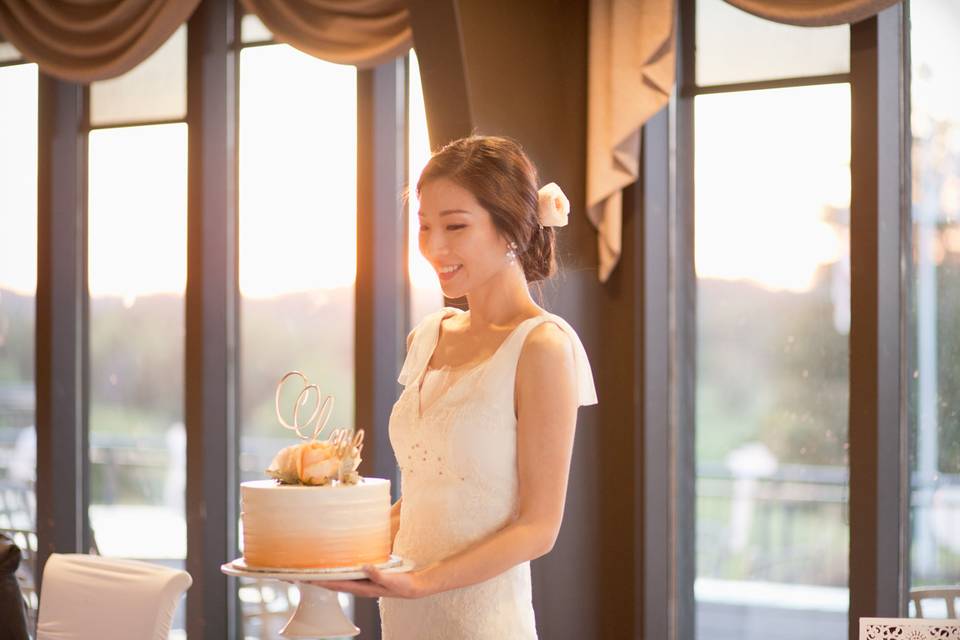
column 302, row 526
column 316, row 511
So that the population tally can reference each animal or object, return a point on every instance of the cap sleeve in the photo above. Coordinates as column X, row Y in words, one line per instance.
column 421, row 347
column 586, row 390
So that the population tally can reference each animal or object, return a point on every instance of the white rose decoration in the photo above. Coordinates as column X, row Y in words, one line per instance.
column 553, row 207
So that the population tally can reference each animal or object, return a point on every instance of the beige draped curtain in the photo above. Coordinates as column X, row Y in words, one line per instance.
column 87, row 40
column 364, row 33
column 631, row 75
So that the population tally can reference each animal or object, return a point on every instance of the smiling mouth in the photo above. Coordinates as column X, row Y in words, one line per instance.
column 449, row 271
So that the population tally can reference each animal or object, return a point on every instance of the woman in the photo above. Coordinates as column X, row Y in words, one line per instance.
column 483, row 431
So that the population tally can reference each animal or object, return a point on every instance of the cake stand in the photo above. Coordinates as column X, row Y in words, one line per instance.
column 318, row 615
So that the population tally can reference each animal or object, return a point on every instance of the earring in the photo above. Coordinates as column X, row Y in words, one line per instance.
column 512, row 252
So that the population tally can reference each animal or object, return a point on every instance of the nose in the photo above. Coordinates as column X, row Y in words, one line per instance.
column 432, row 245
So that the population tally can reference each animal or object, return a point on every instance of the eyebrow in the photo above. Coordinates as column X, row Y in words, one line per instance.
column 445, row 212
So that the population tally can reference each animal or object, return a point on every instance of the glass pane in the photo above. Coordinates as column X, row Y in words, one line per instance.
column 735, row 46
column 18, row 285
column 298, row 244
column 137, row 274
column 773, row 309
column 935, row 390
column 425, row 293
column 252, row 29
column 156, row 89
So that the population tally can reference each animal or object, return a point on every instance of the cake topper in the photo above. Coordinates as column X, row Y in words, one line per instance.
column 321, row 411
column 315, row 462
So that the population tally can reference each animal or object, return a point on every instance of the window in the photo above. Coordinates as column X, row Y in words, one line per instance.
column 772, row 196
column 18, row 283
column 934, row 399
column 298, row 239
column 137, row 242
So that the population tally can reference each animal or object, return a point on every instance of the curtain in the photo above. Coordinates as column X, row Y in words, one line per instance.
column 814, row 13
column 364, row 33
column 86, row 40
column 631, row 76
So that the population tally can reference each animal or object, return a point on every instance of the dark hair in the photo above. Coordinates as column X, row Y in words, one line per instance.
column 504, row 181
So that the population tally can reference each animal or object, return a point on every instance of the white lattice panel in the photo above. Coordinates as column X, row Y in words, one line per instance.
column 908, row 629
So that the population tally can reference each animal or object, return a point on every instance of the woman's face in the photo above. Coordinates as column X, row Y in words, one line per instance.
column 458, row 238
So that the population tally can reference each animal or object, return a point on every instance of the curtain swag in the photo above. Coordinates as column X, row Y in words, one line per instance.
column 364, row 33
column 87, row 40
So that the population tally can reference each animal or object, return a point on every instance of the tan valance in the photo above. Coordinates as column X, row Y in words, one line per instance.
column 87, row 40
column 631, row 76
column 814, row 13
column 364, row 33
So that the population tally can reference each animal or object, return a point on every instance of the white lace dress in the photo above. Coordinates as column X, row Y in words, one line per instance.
column 458, row 469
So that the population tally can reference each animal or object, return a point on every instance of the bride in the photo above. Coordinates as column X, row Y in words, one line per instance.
column 483, row 430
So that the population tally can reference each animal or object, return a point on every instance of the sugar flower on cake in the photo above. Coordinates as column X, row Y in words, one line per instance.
column 284, row 465
column 317, row 463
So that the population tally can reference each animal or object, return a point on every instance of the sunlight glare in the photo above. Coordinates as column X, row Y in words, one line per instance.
column 138, row 211
column 422, row 275
column 18, row 179
column 298, row 172
column 772, row 167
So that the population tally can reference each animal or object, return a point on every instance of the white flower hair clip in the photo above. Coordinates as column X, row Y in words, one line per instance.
column 553, row 207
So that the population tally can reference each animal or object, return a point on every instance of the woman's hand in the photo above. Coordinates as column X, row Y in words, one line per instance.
column 389, row 585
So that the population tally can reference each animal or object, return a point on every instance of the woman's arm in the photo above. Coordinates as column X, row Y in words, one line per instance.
column 546, row 419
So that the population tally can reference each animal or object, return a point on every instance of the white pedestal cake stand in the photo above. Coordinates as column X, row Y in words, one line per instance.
column 318, row 615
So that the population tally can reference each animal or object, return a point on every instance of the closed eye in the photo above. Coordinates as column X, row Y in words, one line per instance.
column 455, row 227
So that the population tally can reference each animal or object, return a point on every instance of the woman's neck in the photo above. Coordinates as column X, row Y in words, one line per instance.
column 501, row 300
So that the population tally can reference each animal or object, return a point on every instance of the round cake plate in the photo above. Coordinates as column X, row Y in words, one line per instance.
column 318, row 615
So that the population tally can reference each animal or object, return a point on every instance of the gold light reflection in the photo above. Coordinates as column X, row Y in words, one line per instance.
column 771, row 168
column 423, row 279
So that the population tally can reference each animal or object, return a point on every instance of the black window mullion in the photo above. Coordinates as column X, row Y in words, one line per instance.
column 683, row 336
column 382, row 295
column 878, row 257
column 211, row 320
column 62, row 492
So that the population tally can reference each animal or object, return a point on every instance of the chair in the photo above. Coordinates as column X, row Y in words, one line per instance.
column 12, row 607
column 948, row 594
column 27, row 542
column 86, row 597
column 912, row 628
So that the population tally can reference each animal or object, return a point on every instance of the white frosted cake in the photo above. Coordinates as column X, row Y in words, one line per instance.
column 302, row 526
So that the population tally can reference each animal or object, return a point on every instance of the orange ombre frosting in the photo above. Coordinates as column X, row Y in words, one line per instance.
column 301, row 527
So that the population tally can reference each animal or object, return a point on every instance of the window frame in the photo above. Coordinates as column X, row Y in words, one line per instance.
column 880, row 251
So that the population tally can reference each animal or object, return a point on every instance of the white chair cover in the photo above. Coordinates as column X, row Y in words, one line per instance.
column 90, row 597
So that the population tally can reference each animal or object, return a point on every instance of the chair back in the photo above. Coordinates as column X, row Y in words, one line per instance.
column 87, row 597
column 948, row 594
